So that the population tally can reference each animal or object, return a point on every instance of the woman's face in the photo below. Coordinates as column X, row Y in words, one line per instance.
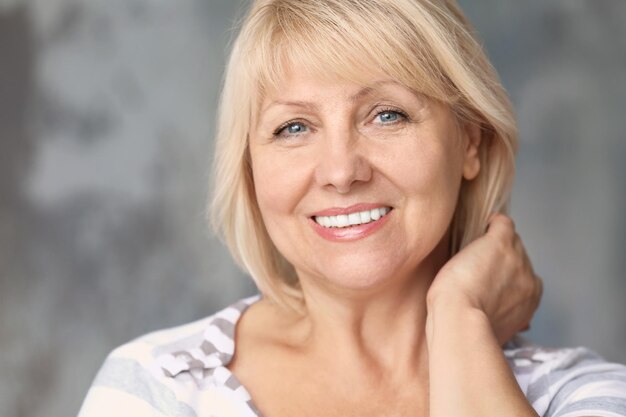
column 357, row 186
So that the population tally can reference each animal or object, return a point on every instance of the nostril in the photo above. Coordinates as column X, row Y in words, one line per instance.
column 341, row 169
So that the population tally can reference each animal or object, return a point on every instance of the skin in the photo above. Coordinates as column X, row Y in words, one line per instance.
column 393, row 326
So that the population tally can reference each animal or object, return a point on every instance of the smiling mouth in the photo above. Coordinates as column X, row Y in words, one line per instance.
column 353, row 219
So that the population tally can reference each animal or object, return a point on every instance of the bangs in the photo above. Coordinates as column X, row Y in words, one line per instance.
column 353, row 41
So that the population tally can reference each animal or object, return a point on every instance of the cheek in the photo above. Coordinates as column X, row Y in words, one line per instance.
column 433, row 170
column 428, row 172
column 278, row 183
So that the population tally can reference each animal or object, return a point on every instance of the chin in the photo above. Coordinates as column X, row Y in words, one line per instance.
column 360, row 274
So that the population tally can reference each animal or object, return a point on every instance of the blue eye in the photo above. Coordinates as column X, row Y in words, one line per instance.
column 389, row 116
column 291, row 129
column 296, row 128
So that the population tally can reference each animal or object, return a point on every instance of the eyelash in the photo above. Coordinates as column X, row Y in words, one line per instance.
column 392, row 110
column 286, row 125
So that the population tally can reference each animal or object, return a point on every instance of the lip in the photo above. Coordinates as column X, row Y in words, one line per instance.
column 352, row 233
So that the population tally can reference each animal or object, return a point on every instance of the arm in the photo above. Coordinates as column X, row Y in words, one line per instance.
column 469, row 375
column 479, row 299
column 482, row 296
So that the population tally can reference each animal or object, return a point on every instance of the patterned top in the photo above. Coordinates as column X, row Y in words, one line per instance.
column 182, row 372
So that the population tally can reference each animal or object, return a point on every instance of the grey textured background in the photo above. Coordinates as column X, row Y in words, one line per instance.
column 106, row 120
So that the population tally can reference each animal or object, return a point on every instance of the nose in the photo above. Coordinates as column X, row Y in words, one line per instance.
column 342, row 162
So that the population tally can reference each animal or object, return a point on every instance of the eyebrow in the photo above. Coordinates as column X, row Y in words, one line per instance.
column 312, row 106
column 304, row 104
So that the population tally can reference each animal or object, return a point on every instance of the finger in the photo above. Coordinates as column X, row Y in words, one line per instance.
column 501, row 226
column 491, row 217
column 518, row 245
column 537, row 293
column 538, row 288
column 500, row 219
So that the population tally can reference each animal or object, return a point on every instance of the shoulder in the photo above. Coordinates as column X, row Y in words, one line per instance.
column 171, row 372
column 567, row 382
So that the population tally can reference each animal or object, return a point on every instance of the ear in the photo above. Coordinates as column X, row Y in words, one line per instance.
column 471, row 164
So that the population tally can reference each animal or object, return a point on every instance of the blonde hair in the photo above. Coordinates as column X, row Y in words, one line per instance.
column 426, row 45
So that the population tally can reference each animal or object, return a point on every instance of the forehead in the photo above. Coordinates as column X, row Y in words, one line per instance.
column 302, row 77
column 310, row 92
column 298, row 82
column 302, row 87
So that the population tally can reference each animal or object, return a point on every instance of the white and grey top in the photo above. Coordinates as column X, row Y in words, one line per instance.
column 182, row 372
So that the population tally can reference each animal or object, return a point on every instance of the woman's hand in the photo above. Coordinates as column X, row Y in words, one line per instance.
column 492, row 274
column 479, row 299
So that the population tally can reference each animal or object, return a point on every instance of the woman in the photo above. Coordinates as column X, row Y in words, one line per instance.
column 363, row 149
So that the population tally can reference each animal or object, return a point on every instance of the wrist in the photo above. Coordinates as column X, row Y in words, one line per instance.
column 442, row 301
column 458, row 318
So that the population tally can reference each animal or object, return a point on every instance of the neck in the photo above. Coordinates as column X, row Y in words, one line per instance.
column 380, row 332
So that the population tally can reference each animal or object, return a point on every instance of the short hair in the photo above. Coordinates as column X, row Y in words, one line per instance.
column 426, row 45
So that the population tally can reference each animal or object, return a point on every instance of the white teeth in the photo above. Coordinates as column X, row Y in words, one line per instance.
column 352, row 219
column 342, row 220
